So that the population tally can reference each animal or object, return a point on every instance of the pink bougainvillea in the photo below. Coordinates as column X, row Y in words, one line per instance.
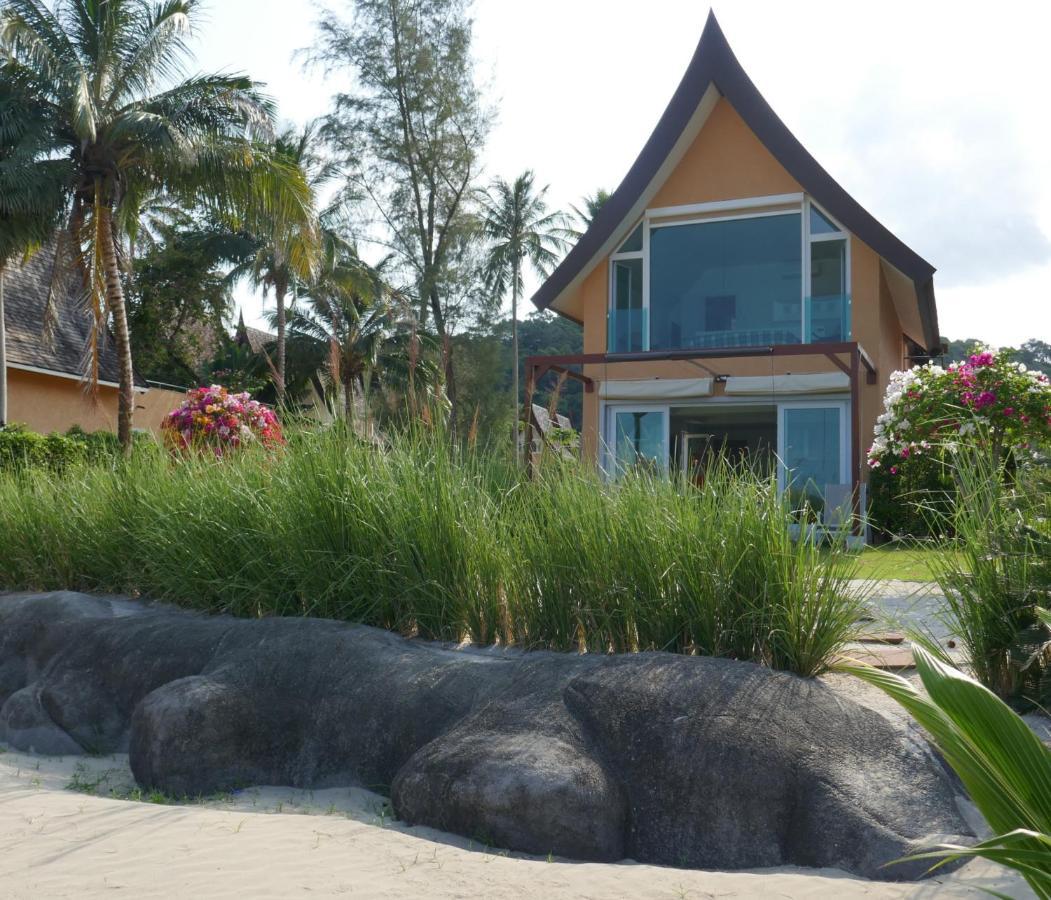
column 215, row 419
column 985, row 398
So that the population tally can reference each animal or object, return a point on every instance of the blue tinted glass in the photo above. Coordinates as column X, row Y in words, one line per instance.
column 811, row 455
column 726, row 284
column 820, row 224
column 639, row 440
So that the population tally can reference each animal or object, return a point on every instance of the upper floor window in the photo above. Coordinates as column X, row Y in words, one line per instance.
column 753, row 279
column 726, row 283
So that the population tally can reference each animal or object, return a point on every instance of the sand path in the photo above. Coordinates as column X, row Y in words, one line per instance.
column 275, row 842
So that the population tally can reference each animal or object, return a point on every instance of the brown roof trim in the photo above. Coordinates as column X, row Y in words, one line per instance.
column 714, row 63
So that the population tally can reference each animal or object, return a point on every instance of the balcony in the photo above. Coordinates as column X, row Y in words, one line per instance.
column 825, row 319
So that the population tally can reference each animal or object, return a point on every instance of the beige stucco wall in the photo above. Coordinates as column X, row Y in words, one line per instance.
column 728, row 162
column 48, row 403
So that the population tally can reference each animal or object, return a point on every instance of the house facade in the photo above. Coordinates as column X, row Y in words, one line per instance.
column 45, row 359
column 735, row 300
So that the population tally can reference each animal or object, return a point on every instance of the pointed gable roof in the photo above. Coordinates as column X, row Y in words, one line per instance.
column 715, row 72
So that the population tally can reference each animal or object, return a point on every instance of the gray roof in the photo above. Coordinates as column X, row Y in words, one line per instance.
column 64, row 349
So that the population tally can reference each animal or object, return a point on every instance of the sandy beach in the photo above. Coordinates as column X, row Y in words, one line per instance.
column 63, row 834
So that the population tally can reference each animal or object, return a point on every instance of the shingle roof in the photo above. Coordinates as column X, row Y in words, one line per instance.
column 64, row 349
column 714, row 64
column 256, row 339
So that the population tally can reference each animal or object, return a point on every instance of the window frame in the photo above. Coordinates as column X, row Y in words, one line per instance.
column 725, row 211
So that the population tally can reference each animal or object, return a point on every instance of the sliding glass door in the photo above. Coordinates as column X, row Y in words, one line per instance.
column 637, row 438
column 813, row 447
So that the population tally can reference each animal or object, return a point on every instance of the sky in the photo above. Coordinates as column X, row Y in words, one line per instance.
column 933, row 115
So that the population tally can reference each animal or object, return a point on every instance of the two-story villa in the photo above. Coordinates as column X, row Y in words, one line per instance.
column 735, row 299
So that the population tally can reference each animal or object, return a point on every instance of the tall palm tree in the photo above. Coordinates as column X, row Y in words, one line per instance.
column 520, row 230
column 109, row 75
column 284, row 258
column 30, row 194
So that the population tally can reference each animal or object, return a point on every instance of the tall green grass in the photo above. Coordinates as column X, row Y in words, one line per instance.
column 428, row 540
column 1000, row 575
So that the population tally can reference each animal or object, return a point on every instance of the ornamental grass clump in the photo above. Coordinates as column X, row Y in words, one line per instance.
column 429, row 540
column 999, row 577
column 212, row 418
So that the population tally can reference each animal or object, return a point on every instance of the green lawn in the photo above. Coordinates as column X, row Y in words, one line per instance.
column 894, row 562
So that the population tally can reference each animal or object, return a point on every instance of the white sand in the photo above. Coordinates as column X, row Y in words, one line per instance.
column 276, row 842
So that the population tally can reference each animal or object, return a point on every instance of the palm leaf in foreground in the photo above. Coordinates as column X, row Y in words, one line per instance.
column 1001, row 762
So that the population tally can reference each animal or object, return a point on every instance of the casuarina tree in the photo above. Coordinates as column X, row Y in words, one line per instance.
column 409, row 135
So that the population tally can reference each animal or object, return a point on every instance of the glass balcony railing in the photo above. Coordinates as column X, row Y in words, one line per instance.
column 826, row 319
column 628, row 331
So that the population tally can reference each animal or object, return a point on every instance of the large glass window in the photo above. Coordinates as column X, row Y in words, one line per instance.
column 733, row 283
column 811, row 449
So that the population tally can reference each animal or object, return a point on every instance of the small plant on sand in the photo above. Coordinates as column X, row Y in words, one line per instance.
column 212, row 418
column 1001, row 762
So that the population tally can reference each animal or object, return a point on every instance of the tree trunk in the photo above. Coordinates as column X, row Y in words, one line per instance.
column 514, row 357
column 3, row 355
column 348, row 402
column 121, row 334
column 280, row 289
column 447, row 353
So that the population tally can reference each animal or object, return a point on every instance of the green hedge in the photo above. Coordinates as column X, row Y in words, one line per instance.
column 21, row 448
column 916, row 502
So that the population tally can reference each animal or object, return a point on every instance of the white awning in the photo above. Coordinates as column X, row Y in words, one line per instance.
column 767, row 385
column 655, row 389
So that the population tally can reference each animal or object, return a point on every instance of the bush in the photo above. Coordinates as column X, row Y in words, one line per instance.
column 21, row 449
column 214, row 419
column 427, row 541
column 916, row 503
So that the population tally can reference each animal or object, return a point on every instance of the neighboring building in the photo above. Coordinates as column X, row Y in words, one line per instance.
column 46, row 361
column 735, row 299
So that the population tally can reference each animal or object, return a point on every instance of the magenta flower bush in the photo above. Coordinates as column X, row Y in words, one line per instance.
column 987, row 400
column 215, row 419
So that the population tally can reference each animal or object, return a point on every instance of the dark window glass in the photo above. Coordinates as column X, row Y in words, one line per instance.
column 735, row 283
column 634, row 242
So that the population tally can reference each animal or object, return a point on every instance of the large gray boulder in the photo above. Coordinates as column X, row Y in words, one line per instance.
column 685, row 761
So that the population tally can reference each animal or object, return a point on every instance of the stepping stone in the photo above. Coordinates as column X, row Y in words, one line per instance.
column 882, row 656
column 882, row 637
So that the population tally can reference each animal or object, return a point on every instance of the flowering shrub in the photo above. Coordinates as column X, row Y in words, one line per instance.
column 212, row 417
column 987, row 398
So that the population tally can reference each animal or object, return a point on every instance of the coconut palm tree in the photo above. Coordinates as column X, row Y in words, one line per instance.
column 109, row 76
column 284, row 258
column 592, row 203
column 520, row 230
